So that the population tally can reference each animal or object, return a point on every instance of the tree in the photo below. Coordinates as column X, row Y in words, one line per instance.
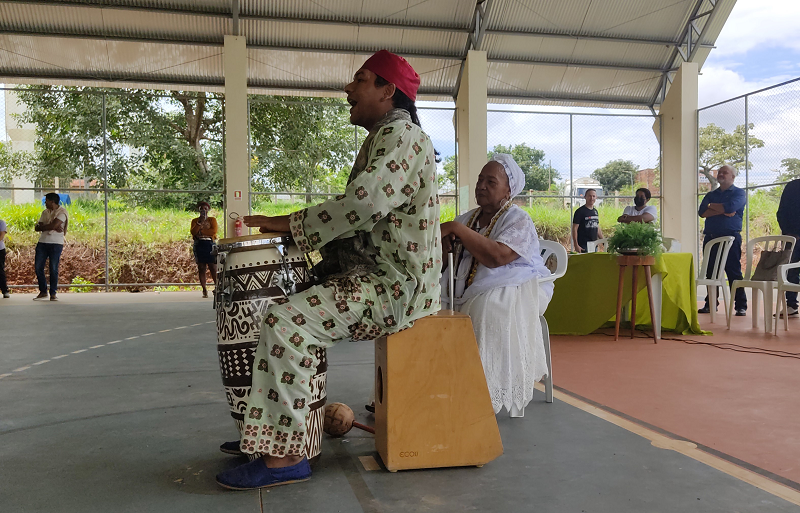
column 305, row 143
column 151, row 141
column 717, row 147
column 12, row 163
column 791, row 167
column 537, row 176
column 448, row 178
column 615, row 175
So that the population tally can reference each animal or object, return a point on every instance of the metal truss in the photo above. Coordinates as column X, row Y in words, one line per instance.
column 691, row 39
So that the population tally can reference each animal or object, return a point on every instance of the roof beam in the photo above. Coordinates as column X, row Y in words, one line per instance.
column 579, row 65
column 607, row 39
column 581, row 99
column 342, row 51
column 353, row 23
column 118, row 79
column 350, row 51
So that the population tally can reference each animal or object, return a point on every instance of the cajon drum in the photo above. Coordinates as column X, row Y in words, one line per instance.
column 432, row 405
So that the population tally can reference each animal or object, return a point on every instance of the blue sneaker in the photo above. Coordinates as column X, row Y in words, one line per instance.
column 256, row 474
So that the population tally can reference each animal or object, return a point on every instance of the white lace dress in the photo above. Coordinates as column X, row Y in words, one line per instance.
column 504, row 304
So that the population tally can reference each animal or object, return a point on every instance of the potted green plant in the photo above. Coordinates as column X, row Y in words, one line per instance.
column 642, row 239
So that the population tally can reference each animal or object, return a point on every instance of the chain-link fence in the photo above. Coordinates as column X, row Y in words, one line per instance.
column 756, row 134
column 563, row 155
column 129, row 166
column 302, row 151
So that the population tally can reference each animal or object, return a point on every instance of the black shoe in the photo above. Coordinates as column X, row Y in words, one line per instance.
column 370, row 407
column 231, row 448
column 705, row 309
column 741, row 312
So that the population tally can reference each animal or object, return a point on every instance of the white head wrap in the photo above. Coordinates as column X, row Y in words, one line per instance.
column 516, row 178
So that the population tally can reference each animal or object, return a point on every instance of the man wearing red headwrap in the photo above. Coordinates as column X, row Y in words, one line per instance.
column 379, row 272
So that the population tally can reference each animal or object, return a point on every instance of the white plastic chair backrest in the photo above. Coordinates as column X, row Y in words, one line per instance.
column 783, row 271
column 591, row 245
column 671, row 245
column 718, row 265
column 550, row 248
column 768, row 243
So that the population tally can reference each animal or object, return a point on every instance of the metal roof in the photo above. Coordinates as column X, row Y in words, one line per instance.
column 564, row 52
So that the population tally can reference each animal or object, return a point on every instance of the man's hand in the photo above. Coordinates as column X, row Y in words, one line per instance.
column 623, row 218
column 268, row 224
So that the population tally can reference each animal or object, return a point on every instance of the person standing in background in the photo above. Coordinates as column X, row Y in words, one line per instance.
column 723, row 210
column 3, row 282
column 53, row 227
column 204, row 233
column 789, row 220
column 586, row 223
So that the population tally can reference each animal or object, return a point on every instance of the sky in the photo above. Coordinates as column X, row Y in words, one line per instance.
column 758, row 47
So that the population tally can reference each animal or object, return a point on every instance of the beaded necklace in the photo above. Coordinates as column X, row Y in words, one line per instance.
column 473, row 270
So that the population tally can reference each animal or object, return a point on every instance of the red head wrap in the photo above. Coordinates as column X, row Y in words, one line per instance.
column 396, row 70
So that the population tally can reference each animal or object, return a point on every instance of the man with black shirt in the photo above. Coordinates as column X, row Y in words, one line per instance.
column 723, row 210
column 586, row 223
column 789, row 221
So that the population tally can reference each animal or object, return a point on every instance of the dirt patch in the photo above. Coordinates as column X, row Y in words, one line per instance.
column 152, row 263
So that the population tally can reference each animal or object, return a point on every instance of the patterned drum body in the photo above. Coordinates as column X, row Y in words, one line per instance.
column 245, row 277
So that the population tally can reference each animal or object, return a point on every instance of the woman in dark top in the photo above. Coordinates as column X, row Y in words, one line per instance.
column 586, row 223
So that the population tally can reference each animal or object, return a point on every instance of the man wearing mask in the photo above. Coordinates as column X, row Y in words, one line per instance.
column 723, row 210
column 641, row 212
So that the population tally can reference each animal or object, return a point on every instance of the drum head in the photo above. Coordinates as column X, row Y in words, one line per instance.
column 256, row 240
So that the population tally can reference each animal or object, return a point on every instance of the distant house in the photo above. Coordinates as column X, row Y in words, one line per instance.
column 648, row 178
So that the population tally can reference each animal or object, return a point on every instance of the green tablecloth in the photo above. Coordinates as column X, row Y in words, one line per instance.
column 585, row 298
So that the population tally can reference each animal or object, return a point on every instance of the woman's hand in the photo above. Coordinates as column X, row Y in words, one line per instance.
column 449, row 235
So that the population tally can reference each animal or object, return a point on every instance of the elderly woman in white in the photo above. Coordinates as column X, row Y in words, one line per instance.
column 497, row 266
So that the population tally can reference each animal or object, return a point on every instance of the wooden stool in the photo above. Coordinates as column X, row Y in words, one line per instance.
column 432, row 404
column 635, row 261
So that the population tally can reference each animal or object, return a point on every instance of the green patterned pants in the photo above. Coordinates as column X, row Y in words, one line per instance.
column 285, row 361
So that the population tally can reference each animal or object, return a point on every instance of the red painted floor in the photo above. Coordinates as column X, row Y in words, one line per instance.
column 744, row 405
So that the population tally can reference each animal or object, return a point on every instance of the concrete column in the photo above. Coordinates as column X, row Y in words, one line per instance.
column 21, row 138
column 237, row 162
column 471, row 126
column 678, row 137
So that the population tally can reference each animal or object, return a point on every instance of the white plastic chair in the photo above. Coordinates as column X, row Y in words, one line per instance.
column 671, row 245
column 591, row 245
column 769, row 243
column 548, row 248
column 784, row 286
column 717, row 278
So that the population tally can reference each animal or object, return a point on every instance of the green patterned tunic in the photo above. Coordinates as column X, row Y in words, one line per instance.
column 381, row 262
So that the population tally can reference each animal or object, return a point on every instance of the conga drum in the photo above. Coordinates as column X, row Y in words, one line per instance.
column 252, row 272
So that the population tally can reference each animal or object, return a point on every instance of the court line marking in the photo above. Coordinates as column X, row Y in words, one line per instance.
column 369, row 463
column 26, row 367
column 687, row 449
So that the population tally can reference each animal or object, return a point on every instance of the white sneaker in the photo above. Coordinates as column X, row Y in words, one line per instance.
column 791, row 312
column 6, row 295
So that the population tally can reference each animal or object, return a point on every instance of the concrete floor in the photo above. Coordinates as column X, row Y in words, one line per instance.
column 130, row 417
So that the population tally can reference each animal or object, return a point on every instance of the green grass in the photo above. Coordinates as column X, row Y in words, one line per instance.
column 134, row 226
